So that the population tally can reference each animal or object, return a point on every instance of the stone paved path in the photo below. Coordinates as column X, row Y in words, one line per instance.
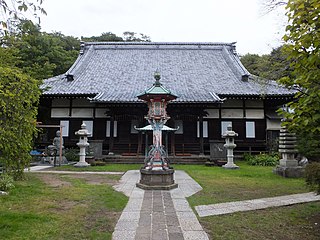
column 255, row 204
column 166, row 215
column 158, row 215
column 158, row 218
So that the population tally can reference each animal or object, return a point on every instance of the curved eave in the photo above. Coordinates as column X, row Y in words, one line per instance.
column 54, row 95
column 258, row 96
column 171, row 102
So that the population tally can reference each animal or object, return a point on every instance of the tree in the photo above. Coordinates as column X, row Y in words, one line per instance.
column 42, row 55
column 104, row 37
column 111, row 37
column 271, row 5
column 135, row 37
column 256, row 65
column 303, row 42
column 271, row 66
column 19, row 95
column 12, row 11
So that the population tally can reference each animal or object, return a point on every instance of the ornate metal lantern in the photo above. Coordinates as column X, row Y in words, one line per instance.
column 157, row 98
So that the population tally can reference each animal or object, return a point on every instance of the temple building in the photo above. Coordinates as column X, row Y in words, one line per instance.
column 213, row 89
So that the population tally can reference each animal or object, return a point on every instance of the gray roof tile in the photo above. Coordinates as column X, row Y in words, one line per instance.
column 195, row 72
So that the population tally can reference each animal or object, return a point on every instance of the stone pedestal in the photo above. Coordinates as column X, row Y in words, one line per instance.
column 157, row 179
column 288, row 166
column 82, row 157
column 96, row 146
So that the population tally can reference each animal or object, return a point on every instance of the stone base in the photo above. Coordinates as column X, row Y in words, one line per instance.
column 289, row 172
column 230, row 166
column 81, row 164
column 156, row 179
column 50, row 160
column 291, row 163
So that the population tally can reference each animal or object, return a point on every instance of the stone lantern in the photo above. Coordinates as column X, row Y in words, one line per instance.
column 229, row 135
column 156, row 173
column 82, row 144
column 288, row 166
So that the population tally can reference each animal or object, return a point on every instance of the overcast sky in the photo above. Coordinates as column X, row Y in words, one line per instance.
column 241, row 21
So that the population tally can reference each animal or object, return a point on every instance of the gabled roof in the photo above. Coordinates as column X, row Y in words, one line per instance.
column 195, row 72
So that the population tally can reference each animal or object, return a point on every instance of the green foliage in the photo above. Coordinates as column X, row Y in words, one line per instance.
column 111, row 37
column 104, row 37
column 308, row 145
column 12, row 11
column 19, row 95
column 313, row 176
column 262, row 159
column 271, row 66
column 6, row 182
column 41, row 55
column 72, row 154
column 303, row 39
column 135, row 37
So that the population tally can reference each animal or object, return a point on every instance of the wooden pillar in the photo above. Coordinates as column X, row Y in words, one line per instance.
column 201, row 135
column 139, row 142
column 173, row 149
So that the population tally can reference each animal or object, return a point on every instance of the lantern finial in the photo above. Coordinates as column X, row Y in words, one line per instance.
column 157, row 77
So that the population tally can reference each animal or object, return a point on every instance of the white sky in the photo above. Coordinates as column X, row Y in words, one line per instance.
column 240, row 21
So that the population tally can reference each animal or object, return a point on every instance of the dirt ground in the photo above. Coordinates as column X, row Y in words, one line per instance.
column 55, row 180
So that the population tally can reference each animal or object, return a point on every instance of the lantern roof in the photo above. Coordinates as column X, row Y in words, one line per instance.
column 157, row 89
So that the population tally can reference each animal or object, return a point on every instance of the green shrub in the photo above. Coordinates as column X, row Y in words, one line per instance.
column 72, row 154
column 262, row 159
column 312, row 174
column 6, row 182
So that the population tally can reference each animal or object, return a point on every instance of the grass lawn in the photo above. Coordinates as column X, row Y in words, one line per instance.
column 248, row 182
column 51, row 206
column 54, row 206
column 295, row 222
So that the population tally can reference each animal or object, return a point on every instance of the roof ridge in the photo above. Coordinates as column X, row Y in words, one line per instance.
column 161, row 43
column 81, row 57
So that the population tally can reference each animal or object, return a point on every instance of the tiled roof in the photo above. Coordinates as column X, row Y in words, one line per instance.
column 195, row 72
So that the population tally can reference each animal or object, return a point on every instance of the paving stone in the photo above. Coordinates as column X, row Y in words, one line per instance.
column 143, row 230
column 186, row 214
column 160, row 234
column 174, row 229
column 127, row 225
column 176, row 236
column 195, row 235
column 123, row 235
column 130, row 216
column 190, row 225
column 181, row 205
column 172, row 221
column 143, row 236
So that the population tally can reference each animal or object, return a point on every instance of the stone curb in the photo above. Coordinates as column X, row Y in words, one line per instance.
column 255, row 204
